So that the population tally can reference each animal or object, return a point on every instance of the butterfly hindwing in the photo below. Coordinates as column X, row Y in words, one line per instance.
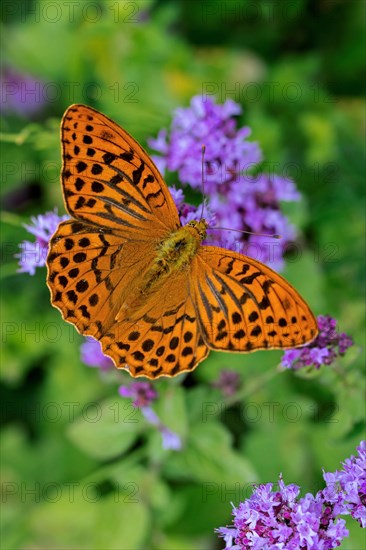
column 164, row 340
column 242, row 305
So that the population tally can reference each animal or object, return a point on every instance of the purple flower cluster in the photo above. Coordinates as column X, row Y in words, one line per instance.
column 240, row 200
column 21, row 93
column 323, row 350
column 34, row 254
column 143, row 395
column 352, row 482
column 279, row 520
column 214, row 126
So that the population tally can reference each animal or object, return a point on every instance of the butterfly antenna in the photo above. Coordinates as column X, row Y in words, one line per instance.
column 203, row 179
column 274, row 236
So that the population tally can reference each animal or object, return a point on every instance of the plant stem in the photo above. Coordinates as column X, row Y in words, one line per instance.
column 252, row 387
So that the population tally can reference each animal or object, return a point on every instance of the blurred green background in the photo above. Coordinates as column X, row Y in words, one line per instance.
column 76, row 473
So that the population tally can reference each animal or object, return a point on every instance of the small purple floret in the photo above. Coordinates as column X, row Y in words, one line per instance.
column 327, row 346
column 93, row 356
column 34, row 254
column 142, row 393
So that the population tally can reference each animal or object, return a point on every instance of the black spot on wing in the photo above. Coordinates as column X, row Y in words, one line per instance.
column 137, row 173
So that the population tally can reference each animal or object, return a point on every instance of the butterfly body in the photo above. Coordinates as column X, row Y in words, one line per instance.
column 174, row 254
column 124, row 270
column 179, row 248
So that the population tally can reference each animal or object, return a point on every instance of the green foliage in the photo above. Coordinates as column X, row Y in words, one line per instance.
column 82, row 468
column 107, row 429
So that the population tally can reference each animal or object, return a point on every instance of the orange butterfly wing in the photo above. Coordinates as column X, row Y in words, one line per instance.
column 109, row 180
column 164, row 338
column 91, row 272
column 243, row 305
column 98, row 261
column 122, row 210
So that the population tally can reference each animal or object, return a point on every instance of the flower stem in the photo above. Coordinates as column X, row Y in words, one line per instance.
column 252, row 387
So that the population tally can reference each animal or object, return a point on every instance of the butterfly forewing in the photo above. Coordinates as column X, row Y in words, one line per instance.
column 109, row 180
column 242, row 305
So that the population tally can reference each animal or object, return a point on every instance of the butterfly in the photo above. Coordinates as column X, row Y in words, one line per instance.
column 124, row 270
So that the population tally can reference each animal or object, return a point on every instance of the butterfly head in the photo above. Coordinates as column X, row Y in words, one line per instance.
column 200, row 226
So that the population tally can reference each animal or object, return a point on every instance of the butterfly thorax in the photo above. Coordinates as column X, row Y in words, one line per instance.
column 175, row 252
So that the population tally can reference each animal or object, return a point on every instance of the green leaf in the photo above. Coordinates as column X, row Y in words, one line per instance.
column 202, row 401
column 143, row 484
column 171, row 410
column 106, row 429
column 356, row 539
column 329, row 453
column 280, row 448
column 309, row 286
column 172, row 542
column 205, row 508
column 82, row 519
column 208, row 458
column 120, row 525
